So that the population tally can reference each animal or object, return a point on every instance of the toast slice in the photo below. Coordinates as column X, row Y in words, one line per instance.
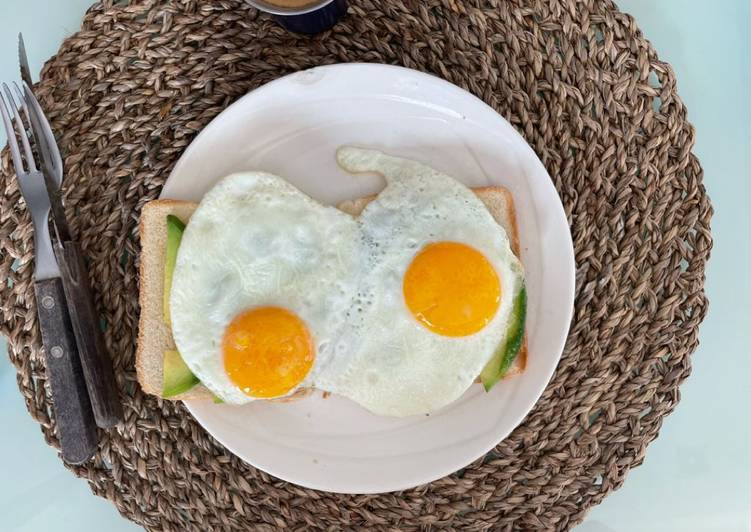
column 155, row 336
column 500, row 204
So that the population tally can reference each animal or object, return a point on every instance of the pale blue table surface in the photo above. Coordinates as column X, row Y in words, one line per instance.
column 696, row 474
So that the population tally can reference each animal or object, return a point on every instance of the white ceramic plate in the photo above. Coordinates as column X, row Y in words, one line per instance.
column 292, row 127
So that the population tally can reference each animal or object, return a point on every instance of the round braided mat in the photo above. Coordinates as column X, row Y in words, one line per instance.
column 129, row 92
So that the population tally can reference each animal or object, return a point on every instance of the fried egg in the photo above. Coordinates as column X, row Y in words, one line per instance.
column 398, row 310
column 436, row 300
column 262, row 287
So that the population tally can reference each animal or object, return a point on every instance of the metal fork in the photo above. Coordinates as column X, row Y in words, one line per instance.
column 33, row 188
column 75, row 421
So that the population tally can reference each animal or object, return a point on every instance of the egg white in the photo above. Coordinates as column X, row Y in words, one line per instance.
column 255, row 240
column 393, row 365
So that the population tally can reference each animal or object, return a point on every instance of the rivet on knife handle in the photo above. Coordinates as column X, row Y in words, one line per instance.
column 97, row 366
column 76, row 429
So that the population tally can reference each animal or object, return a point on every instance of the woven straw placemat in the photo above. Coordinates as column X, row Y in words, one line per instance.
column 578, row 80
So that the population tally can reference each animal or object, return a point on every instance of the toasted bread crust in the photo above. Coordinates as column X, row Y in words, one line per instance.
column 154, row 337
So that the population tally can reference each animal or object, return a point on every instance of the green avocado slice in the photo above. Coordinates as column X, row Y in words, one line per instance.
column 175, row 229
column 177, row 376
column 497, row 366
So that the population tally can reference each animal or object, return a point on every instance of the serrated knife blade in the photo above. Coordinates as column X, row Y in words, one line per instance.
column 23, row 61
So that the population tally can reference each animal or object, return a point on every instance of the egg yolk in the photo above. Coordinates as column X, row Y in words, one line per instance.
column 452, row 289
column 267, row 351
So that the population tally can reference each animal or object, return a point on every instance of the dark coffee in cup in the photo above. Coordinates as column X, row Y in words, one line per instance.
column 291, row 3
column 304, row 16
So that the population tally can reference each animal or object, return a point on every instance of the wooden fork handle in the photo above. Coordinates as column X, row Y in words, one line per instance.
column 97, row 365
column 76, row 428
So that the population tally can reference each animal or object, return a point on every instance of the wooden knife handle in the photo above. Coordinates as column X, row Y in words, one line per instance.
column 76, row 428
column 97, row 365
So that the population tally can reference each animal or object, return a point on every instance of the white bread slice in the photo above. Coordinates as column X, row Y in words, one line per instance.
column 155, row 337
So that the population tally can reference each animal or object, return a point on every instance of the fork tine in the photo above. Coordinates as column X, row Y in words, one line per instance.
column 21, row 128
column 19, row 95
column 48, row 140
column 41, row 145
column 11, row 134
